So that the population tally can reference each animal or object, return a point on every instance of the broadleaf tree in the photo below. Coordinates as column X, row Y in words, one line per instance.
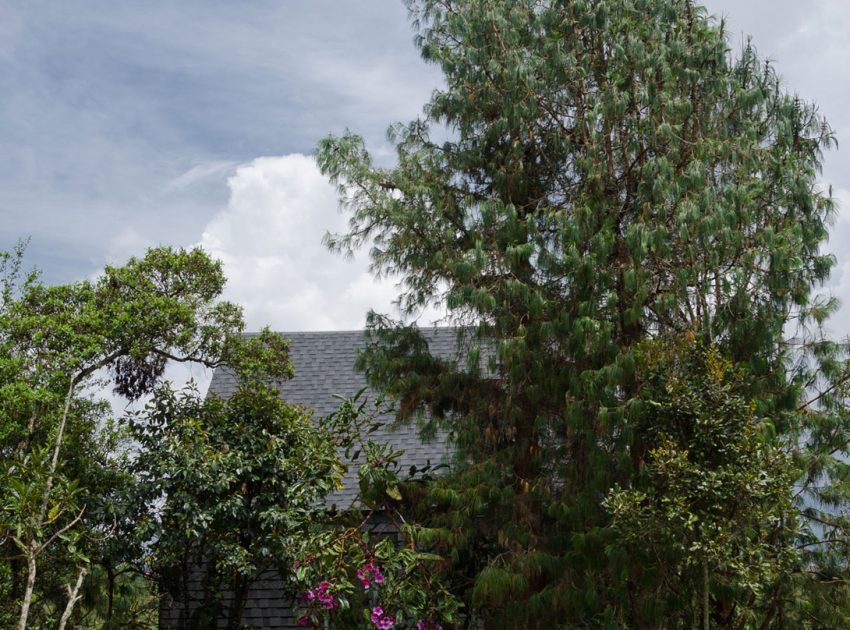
column 55, row 342
column 592, row 175
column 230, row 488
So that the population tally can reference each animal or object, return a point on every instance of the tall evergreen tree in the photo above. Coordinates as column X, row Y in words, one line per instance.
column 611, row 174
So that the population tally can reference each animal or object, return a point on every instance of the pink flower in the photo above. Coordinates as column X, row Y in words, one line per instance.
column 382, row 620
column 295, row 566
column 370, row 573
column 320, row 594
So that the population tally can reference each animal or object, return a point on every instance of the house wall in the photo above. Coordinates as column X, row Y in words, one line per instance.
column 267, row 608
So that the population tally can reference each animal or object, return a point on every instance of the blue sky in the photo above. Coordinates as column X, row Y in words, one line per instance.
column 122, row 121
column 125, row 124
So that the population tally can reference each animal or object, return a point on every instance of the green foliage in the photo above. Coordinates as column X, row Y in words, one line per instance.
column 63, row 494
column 189, row 487
column 118, row 600
column 711, row 512
column 230, row 486
column 369, row 563
column 610, row 174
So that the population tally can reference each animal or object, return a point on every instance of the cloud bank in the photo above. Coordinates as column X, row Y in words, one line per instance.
column 270, row 239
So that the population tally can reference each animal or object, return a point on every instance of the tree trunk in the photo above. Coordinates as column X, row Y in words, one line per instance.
column 237, row 604
column 32, row 552
column 706, row 623
column 32, row 546
column 73, row 598
column 209, row 609
column 186, row 610
column 54, row 459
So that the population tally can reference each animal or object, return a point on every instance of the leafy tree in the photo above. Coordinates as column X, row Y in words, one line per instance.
column 231, row 488
column 228, row 487
column 234, row 487
column 57, row 341
column 610, row 174
column 701, row 516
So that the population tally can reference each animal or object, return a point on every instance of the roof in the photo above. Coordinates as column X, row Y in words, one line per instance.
column 324, row 369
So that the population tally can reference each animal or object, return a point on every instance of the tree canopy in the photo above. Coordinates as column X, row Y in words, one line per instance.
column 623, row 220
column 596, row 175
column 103, row 516
column 62, row 470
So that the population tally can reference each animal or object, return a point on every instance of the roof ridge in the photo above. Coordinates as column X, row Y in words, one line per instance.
column 341, row 332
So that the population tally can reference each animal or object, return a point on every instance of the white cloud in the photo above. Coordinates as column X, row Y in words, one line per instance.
column 270, row 239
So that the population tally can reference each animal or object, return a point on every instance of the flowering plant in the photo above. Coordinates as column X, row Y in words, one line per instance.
column 367, row 565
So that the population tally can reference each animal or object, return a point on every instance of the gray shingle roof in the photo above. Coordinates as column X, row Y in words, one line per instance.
column 324, row 368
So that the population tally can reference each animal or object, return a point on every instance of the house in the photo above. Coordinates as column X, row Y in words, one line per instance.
column 324, row 369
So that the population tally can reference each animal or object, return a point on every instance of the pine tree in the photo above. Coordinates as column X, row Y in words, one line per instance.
column 611, row 174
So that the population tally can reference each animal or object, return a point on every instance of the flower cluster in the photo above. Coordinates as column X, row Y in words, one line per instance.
column 427, row 625
column 382, row 620
column 370, row 573
column 322, row 595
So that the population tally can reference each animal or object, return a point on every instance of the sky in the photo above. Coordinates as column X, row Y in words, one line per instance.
column 126, row 124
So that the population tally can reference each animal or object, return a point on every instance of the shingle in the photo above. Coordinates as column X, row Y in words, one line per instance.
column 324, row 370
